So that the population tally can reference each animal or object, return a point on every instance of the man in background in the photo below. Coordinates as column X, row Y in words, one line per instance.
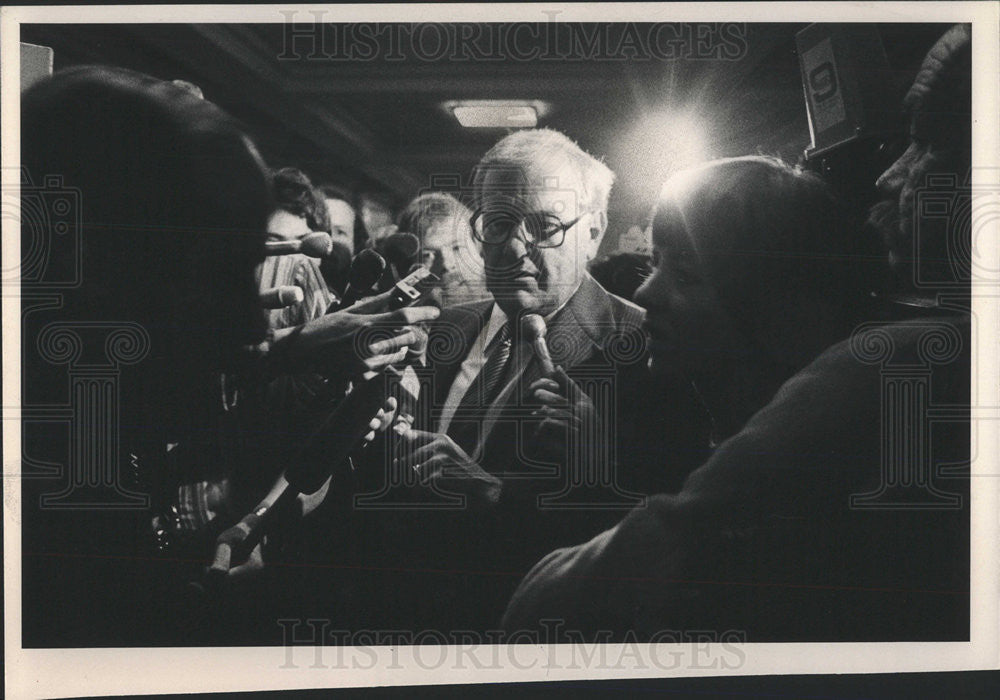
column 447, row 248
column 344, row 232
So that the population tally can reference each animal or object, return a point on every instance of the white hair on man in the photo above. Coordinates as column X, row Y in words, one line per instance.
column 548, row 151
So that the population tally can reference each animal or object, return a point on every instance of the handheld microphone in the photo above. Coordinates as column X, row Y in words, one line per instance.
column 533, row 327
column 345, row 427
column 402, row 251
column 281, row 296
column 316, row 245
column 417, row 286
column 331, row 445
column 366, row 269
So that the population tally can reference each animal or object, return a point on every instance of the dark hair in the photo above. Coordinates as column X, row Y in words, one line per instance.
column 295, row 193
column 622, row 273
column 767, row 230
column 173, row 197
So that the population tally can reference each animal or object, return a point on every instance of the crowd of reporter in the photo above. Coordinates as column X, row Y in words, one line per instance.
column 710, row 473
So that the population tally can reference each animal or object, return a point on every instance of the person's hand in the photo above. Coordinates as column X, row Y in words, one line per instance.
column 362, row 338
column 230, row 560
column 564, row 412
column 382, row 420
column 442, row 464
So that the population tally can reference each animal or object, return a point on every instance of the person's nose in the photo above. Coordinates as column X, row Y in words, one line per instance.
column 507, row 255
column 516, row 246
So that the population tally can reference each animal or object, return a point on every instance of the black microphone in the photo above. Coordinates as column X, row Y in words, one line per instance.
column 402, row 251
column 336, row 267
column 326, row 450
column 366, row 269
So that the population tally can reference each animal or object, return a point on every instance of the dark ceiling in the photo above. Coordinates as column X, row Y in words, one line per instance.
column 360, row 106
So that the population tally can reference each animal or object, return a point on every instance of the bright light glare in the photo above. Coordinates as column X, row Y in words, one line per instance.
column 673, row 141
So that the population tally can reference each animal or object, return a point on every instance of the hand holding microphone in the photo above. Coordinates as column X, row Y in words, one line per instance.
column 351, row 421
column 334, row 343
column 565, row 410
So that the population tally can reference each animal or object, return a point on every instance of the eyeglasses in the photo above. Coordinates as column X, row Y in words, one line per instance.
column 539, row 230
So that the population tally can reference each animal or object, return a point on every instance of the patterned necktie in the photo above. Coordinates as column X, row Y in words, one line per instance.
column 493, row 370
column 482, row 392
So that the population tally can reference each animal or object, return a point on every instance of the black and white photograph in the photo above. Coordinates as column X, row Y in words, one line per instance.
column 421, row 344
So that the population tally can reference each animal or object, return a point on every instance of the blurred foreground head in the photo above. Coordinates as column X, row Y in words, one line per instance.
column 752, row 270
column 926, row 250
column 174, row 202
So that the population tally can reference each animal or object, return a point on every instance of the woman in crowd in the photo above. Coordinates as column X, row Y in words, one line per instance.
column 753, row 294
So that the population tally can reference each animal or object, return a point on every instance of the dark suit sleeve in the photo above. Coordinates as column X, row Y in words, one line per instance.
column 763, row 539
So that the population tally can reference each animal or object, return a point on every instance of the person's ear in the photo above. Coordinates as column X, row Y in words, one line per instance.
column 598, row 224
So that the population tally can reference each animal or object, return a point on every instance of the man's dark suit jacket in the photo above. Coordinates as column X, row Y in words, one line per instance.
column 470, row 556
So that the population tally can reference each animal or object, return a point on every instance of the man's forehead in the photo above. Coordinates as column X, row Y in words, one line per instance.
column 542, row 184
column 444, row 234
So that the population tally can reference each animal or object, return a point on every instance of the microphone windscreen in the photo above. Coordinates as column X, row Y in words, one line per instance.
column 366, row 269
column 340, row 256
column 336, row 267
column 316, row 245
column 282, row 296
column 401, row 250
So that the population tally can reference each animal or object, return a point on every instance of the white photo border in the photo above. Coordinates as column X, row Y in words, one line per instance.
column 83, row 672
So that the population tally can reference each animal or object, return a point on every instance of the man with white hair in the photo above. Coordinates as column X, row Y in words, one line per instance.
column 494, row 447
column 541, row 211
